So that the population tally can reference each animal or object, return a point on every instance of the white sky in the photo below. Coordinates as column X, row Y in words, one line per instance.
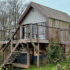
column 62, row 5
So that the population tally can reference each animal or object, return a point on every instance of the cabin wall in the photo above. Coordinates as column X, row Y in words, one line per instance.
column 61, row 34
column 34, row 17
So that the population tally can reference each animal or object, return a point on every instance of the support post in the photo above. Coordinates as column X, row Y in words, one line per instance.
column 38, row 64
column 28, row 56
column 20, row 32
column 11, row 40
column 31, row 32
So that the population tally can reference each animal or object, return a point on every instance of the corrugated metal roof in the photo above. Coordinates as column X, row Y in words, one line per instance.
column 52, row 13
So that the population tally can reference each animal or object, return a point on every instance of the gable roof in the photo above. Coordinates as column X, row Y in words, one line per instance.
column 48, row 12
column 52, row 13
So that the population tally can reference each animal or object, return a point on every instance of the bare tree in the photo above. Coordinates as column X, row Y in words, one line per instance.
column 10, row 11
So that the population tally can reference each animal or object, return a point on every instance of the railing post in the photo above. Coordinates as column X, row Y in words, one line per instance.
column 28, row 55
column 31, row 32
column 20, row 32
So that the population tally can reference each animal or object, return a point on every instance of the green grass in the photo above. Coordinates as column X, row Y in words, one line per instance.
column 48, row 66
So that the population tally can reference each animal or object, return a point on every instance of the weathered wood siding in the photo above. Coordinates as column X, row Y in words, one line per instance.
column 58, row 30
column 34, row 17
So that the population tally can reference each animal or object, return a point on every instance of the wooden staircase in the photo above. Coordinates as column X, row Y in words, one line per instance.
column 10, row 53
column 13, row 57
column 9, row 58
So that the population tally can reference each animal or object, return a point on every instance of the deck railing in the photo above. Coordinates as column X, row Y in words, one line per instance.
column 36, row 32
column 43, row 32
column 33, row 31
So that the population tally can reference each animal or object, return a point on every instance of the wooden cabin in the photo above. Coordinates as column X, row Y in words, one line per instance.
column 36, row 27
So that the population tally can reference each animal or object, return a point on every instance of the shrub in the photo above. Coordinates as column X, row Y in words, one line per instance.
column 55, row 52
column 67, row 66
column 59, row 67
column 1, row 59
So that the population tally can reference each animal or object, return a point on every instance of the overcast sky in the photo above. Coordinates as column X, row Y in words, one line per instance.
column 62, row 5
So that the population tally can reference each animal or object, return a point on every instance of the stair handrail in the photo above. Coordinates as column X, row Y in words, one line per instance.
column 11, row 53
column 11, row 38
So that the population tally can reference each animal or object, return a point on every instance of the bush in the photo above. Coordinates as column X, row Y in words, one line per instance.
column 1, row 59
column 67, row 67
column 59, row 67
column 55, row 52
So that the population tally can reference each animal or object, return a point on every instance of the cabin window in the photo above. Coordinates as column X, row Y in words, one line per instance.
column 23, row 32
column 42, row 30
column 34, row 31
column 26, row 32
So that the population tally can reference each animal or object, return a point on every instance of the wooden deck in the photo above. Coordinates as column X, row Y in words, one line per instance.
column 40, row 41
column 65, row 42
column 5, row 42
column 32, row 40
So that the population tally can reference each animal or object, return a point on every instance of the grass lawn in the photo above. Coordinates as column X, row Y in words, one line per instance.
column 48, row 66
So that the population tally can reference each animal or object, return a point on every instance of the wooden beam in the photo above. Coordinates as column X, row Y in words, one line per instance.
column 28, row 55
column 20, row 32
column 20, row 65
column 38, row 64
column 31, row 32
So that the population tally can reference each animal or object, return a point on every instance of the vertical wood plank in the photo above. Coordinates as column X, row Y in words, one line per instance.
column 47, row 29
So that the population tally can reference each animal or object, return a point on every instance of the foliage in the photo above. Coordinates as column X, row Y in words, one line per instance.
column 55, row 52
column 1, row 58
column 68, row 54
column 67, row 66
column 59, row 67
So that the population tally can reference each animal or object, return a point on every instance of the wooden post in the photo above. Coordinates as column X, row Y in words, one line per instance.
column 11, row 39
column 28, row 56
column 31, row 32
column 38, row 46
column 20, row 32
column 38, row 64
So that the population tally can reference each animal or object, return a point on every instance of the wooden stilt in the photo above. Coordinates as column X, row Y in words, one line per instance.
column 28, row 56
column 38, row 64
